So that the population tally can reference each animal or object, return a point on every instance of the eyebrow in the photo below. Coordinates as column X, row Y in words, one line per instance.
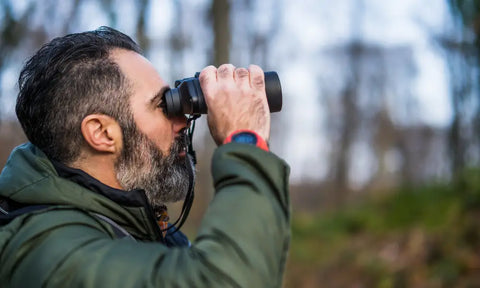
column 159, row 95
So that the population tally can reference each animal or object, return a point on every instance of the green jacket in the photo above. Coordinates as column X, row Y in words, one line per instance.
column 242, row 242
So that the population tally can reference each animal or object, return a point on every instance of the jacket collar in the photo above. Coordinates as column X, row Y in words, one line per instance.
column 132, row 198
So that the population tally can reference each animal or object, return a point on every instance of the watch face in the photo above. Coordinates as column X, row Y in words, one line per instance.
column 245, row 137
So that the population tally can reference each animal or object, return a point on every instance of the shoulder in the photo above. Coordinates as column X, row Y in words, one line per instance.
column 56, row 220
column 37, row 243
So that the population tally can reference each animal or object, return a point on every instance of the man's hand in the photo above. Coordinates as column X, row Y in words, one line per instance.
column 236, row 100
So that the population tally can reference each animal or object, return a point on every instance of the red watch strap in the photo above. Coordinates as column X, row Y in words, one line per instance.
column 261, row 143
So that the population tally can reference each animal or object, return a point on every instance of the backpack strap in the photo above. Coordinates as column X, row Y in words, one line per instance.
column 3, row 211
column 7, row 215
column 7, row 205
column 119, row 231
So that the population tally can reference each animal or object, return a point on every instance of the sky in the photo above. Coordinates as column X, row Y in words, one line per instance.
column 311, row 25
column 386, row 23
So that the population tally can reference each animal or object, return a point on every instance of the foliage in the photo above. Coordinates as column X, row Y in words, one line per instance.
column 416, row 237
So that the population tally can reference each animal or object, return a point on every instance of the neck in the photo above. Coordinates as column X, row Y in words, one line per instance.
column 101, row 168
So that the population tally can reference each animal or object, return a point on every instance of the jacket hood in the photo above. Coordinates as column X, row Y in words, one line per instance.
column 30, row 178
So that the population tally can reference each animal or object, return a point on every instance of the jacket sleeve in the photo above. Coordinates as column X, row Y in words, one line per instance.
column 242, row 242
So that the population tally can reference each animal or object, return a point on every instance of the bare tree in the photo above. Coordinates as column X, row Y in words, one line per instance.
column 142, row 37
column 349, row 99
column 220, row 11
column 461, row 46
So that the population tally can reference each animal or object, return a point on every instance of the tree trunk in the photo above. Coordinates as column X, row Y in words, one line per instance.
column 221, row 28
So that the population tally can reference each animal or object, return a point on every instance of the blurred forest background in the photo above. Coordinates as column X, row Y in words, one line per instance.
column 381, row 119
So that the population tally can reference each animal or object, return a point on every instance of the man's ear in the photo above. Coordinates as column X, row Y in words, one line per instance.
column 102, row 133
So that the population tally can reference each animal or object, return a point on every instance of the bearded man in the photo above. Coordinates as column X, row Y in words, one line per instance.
column 83, row 201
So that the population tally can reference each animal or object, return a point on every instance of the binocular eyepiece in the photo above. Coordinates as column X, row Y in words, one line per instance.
column 187, row 96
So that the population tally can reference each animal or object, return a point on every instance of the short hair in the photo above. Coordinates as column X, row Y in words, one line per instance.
column 67, row 79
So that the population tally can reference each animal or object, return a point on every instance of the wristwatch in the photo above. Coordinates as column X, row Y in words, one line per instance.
column 247, row 137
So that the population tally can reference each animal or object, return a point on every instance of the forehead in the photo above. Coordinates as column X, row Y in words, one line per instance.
column 140, row 73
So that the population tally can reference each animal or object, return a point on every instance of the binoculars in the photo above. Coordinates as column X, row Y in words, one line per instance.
column 187, row 96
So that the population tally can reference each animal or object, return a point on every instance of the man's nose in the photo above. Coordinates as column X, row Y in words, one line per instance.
column 179, row 123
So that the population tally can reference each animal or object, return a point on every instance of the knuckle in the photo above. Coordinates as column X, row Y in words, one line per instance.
column 206, row 74
column 241, row 72
column 225, row 70
column 208, row 69
column 255, row 69
column 257, row 76
column 258, row 81
column 203, row 77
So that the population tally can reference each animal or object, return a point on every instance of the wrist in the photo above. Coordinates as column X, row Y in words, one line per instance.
column 248, row 137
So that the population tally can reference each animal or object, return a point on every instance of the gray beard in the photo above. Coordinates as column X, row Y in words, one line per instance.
column 142, row 165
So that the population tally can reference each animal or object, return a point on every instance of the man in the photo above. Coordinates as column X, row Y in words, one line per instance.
column 103, row 159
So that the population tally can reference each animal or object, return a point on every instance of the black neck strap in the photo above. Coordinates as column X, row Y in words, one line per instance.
column 190, row 162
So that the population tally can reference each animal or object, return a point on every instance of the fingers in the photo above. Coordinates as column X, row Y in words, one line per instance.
column 242, row 78
column 236, row 100
column 225, row 72
column 228, row 76
column 208, row 79
column 257, row 78
column 228, row 72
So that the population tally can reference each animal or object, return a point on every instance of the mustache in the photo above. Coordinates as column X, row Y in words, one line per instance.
column 181, row 142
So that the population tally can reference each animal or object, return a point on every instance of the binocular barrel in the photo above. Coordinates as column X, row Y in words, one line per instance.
column 187, row 96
